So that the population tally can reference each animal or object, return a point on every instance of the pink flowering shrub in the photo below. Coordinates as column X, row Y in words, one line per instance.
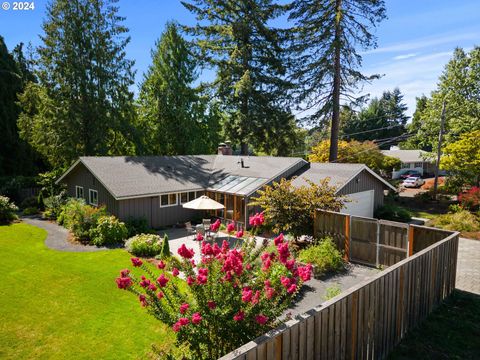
column 231, row 296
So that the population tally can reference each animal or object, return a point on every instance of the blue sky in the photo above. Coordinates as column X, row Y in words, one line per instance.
column 414, row 43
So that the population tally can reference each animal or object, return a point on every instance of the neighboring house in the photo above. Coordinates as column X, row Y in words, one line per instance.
column 155, row 187
column 411, row 160
column 362, row 186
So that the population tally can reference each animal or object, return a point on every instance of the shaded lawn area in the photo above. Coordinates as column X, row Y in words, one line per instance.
column 451, row 332
column 62, row 305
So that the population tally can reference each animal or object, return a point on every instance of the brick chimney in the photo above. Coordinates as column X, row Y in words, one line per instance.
column 224, row 148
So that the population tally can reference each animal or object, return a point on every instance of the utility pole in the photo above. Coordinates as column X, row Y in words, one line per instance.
column 439, row 151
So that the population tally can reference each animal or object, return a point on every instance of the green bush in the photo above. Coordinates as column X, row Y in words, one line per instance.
column 79, row 218
column 459, row 221
column 32, row 210
column 454, row 208
column 7, row 210
column 324, row 256
column 145, row 245
column 54, row 205
column 137, row 226
column 109, row 231
column 393, row 213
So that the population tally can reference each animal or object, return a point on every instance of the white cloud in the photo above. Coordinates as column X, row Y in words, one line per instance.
column 414, row 76
column 425, row 42
column 403, row 57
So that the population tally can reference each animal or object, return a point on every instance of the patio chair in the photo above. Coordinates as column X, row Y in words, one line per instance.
column 190, row 229
column 206, row 224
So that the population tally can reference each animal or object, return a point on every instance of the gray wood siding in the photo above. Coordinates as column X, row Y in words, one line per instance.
column 366, row 181
column 81, row 176
column 156, row 216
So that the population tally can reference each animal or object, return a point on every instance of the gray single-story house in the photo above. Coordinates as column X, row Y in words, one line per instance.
column 417, row 160
column 155, row 187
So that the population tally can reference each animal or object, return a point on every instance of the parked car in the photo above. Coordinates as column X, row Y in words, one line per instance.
column 410, row 173
column 413, row 181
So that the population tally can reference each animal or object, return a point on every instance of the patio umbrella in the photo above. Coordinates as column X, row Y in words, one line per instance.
column 203, row 203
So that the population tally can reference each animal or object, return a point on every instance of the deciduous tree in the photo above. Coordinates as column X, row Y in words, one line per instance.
column 353, row 151
column 291, row 209
column 459, row 87
column 462, row 158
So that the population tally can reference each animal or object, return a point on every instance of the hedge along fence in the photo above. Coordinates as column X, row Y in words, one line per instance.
column 368, row 320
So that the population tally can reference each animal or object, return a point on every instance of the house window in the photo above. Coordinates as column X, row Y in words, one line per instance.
column 79, row 192
column 168, row 200
column 405, row 165
column 418, row 165
column 183, row 198
column 93, row 197
column 191, row 195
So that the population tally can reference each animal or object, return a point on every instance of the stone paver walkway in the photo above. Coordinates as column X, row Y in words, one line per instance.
column 57, row 238
column 468, row 266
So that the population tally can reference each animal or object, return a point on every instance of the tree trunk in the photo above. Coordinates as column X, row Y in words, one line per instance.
column 243, row 148
column 336, row 85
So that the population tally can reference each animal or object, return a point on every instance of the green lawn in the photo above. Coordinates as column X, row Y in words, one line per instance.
column 62, row 305
column 450, row 332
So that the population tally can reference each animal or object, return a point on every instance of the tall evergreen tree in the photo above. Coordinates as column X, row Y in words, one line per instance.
column 175, row 116
column 236, row 38
column 383, row 118
column 328, row 36
column 82, row 104
column 16, row 157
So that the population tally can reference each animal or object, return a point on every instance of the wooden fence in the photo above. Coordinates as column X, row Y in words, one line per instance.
column 374, row 242
column 368, row 320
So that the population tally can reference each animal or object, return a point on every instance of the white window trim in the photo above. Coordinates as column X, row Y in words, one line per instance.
column 179, row 197
column 90, row 191
column 169, row 205
column 76, row 192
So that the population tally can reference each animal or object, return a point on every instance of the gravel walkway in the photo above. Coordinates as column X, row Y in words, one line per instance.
column 314, row 291
column 57, row 238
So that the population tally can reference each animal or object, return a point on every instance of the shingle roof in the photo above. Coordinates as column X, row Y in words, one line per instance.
column 133, row 176
column 406, row 156
column 338, row 173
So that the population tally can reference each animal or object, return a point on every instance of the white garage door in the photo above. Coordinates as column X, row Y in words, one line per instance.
column 361, row 204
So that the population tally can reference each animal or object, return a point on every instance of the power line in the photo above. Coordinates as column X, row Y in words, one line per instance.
column 372, row 130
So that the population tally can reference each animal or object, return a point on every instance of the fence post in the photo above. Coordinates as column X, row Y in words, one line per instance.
column 410, row 240
column 377, row 258
column 347, row 238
